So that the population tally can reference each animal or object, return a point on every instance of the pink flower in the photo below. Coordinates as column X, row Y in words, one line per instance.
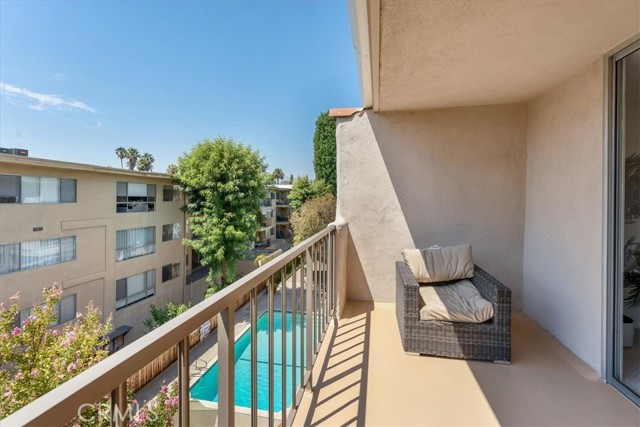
column 78, row 315
column 14, row 299
column 34, row 373
column 19, row 376
column 164, row 389
column 71, row 367
column 16, row 331
column 55, row 332
column 7, row 393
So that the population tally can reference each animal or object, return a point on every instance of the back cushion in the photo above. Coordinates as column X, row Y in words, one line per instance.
column 440, row 264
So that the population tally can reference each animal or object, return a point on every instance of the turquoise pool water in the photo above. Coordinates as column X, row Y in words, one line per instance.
column 206, row 388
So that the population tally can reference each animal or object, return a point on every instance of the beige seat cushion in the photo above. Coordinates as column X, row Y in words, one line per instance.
column 440, row 264
column 456, row 302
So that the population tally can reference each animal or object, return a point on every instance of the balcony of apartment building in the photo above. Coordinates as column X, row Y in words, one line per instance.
column 282, row 219
column 484, row 123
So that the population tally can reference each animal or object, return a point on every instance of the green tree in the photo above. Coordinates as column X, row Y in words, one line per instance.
column 300, row 192
column 132, row 158
column 312, row 217
column 304, row 190
column 324, row 150
column 224, row 182
column 121, row 152
column 35, row 358
column 145, row 163
column 291, row 179
column 277, row 174
column 160, row 316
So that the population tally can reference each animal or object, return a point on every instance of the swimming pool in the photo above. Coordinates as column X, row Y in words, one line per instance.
column 206, row 388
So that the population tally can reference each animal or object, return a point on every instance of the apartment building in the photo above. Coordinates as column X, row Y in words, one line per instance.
column 106, row 235
column 276, row 211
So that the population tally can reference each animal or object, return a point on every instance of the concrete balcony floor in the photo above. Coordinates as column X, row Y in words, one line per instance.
column 363, row 377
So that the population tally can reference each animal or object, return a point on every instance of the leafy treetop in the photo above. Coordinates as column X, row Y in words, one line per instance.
column 313, row 216
column 224, row 182
column 304, row 190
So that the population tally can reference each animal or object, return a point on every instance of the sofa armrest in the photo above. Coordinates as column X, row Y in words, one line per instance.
column 493, row 290
column 407, row 293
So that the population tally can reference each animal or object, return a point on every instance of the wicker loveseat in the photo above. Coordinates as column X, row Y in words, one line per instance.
column 490, row 340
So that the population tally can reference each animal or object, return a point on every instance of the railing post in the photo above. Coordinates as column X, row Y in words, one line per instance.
column 283, row 330
column 304, row 319
column 183, row 382
column 330, row 276
column 271, row 361
column 119, row 408
column 310, row 319
column 254, row 358
column 226, row 379
column 294, row 332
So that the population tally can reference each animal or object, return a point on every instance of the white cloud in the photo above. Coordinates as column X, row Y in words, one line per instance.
column 44, row 101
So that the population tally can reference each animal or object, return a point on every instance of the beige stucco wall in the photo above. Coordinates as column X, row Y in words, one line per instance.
column 563, row 257
column 94, row 222
column 435, row 177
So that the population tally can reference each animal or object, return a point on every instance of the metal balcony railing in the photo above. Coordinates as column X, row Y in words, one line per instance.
column 308, row 268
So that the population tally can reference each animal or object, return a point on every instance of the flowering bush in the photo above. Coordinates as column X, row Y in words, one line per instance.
column 160, row 411
column 34, row 358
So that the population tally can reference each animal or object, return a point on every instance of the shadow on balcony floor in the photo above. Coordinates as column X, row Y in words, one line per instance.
column 341, row 376
column 363, row 377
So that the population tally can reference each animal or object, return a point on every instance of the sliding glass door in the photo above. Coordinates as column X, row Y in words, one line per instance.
column 625, row 295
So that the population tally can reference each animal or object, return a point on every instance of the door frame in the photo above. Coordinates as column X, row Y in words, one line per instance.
column 614, row 219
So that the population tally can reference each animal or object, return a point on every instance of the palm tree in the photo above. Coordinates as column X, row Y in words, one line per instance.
column 172, row 169
column 145, row 163
column 121, row 152
column 277, row 174
column 132, row 158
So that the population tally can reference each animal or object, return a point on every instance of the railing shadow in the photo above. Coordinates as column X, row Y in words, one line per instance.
column 340, row 390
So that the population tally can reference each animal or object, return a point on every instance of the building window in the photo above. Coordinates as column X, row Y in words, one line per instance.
column 35, row 189
column 170, row 271
column 132, row 197
column 135, row 288
column 170, row 232
column 65, row 309
column 171, row 193
column 135, row 242
column 36, row 254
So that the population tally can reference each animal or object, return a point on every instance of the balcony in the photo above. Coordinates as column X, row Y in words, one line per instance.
column 282, row 219
column 358, row 375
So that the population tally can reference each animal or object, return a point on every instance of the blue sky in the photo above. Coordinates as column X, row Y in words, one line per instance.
column 82, row 78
